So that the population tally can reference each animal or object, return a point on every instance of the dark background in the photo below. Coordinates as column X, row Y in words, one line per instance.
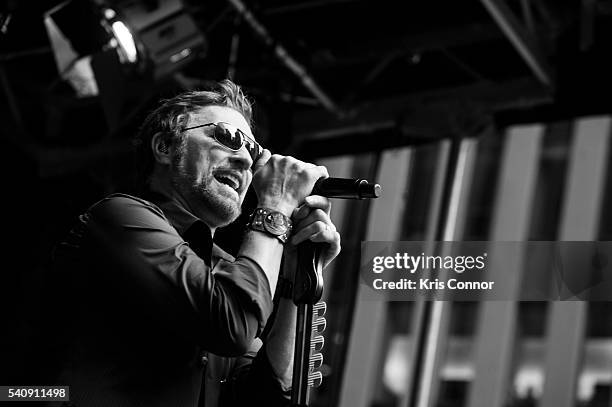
column 370, row 75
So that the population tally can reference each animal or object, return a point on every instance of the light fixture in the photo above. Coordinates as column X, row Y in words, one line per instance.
column 151, row 38
column 122, row 38
column 157, row 37
column 75, row 34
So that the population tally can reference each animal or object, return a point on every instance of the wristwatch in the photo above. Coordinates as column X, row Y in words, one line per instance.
column 271, row 222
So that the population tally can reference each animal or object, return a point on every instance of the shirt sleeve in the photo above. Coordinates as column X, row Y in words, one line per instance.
column 223, row 309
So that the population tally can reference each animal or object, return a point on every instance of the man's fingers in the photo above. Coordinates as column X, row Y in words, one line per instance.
column 312, row 222
column 265, row 156
column 313, row 216
column 319, row 202
column 323, row 171
column 332, row 239
column 318, row 229
column 311, row 203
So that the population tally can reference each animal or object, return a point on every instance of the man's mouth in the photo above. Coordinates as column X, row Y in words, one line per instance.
column 230, row 178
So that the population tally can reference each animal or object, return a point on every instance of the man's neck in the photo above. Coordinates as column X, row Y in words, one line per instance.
column 164, row 186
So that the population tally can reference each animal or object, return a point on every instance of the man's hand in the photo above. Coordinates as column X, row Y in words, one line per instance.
column 282, row 183
column 311, row 221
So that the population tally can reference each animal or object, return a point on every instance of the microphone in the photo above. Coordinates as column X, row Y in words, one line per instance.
column 346, row 188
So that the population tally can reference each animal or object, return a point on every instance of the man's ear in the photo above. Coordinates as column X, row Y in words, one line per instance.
column 161, row 149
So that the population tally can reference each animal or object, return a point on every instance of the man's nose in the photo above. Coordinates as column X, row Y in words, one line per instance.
column 242, row 159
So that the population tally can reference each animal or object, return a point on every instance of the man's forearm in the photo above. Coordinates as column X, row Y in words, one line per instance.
column 266, row 251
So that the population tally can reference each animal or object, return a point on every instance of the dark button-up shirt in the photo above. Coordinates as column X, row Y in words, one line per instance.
column 149, row 304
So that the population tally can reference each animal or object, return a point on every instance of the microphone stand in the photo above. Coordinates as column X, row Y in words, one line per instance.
column 307, row 290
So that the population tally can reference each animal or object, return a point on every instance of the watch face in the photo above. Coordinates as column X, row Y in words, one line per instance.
column 275, row 223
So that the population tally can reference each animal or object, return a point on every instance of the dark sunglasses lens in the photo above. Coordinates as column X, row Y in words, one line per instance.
column 254, row 149
column 233, row 138
column 228, row 137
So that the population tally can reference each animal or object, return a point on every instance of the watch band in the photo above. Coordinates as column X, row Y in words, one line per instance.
column 271, row 222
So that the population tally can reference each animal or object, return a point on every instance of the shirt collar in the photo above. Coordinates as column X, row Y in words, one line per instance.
column 178, row 215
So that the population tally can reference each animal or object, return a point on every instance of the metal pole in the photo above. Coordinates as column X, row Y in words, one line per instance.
column 419, row 385
column 285, row 58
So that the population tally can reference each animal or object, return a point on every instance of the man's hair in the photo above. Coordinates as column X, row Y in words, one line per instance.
column 171, row 117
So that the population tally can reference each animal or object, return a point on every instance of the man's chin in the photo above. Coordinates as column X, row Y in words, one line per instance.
column 225, row 211
column 229, row 218
column 219, row 206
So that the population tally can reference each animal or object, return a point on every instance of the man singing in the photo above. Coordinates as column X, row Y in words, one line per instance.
column 156, row 313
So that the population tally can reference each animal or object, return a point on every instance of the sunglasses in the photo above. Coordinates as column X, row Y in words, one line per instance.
column 233, row 138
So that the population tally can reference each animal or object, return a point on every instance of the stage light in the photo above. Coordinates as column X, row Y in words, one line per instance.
column 122, row 51
column 125, row 41
column 151, row 39
column 75, row 34
column 157, row 38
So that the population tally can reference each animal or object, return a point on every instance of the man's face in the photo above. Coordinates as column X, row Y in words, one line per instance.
column 210, row 177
